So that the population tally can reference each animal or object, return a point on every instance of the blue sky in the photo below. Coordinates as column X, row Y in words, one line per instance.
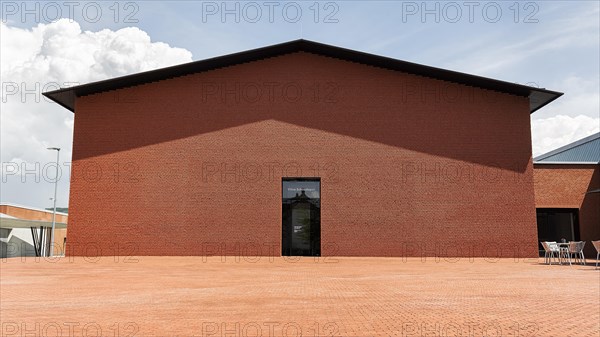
column 524, row 51
column 551, row 44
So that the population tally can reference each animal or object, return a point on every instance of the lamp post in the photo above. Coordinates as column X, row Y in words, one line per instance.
column 57, row 149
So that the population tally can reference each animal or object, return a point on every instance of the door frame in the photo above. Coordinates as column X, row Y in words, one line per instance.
column 312, row 179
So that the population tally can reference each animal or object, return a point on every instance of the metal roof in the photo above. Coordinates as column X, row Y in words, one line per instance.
column 583, row 151
column 538, row 97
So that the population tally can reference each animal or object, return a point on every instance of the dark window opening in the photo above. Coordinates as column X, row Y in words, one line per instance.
column 555, row 224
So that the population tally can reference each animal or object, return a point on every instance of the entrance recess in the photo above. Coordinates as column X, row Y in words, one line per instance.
column 301, row 217
column 555, row 224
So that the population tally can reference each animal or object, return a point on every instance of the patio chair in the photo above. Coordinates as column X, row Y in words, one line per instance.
column 550, row 249
column 597, row 246
column 576, row 249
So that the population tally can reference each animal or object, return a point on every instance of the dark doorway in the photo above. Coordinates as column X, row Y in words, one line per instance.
column 301, row 217
column 555, row 224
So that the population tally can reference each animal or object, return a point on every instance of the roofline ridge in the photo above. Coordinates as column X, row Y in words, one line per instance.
column 538, row 97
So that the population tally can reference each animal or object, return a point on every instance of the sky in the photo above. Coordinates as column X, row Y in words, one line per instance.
column 47, row 45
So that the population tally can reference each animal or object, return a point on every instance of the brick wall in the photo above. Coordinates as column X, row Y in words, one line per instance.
column 409, row 166
column 565, row 186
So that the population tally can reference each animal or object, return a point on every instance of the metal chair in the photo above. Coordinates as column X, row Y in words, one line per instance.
column 597, row 246
column 576, row 249
column 550, row 249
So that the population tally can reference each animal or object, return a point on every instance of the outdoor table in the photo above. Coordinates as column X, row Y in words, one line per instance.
column 561, row 246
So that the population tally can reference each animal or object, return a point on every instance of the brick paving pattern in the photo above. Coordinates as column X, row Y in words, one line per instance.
column 262, row 296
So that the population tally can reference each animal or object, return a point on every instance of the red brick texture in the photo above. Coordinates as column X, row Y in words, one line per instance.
column 409, row 166
column 566, row 186
column 335, row 296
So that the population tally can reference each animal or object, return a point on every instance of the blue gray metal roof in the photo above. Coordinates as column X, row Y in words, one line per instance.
column 586, row 150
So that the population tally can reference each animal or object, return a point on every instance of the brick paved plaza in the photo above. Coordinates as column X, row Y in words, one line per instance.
column 251, row 296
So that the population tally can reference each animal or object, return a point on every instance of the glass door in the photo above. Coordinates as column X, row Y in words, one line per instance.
column 301, row 217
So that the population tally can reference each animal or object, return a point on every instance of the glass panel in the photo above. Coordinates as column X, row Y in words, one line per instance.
column 297, row 188
column 301, row 226
column 301, row 211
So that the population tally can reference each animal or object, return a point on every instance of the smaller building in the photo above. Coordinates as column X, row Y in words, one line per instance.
column 25, row 231
column 567, row 192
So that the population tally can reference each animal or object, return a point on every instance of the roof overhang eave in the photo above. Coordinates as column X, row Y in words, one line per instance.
column 538, row 97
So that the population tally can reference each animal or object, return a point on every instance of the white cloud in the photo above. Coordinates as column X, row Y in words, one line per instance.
column 554, row 132
column 43, row 58
column 572, row 117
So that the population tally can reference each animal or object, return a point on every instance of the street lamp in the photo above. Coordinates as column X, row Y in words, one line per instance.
column 57, row 149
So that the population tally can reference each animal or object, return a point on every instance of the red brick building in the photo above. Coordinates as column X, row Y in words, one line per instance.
column 567, row 193
column 302, row 148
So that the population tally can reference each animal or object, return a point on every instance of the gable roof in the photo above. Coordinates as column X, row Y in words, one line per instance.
column 583, row 151
column 538, row 97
